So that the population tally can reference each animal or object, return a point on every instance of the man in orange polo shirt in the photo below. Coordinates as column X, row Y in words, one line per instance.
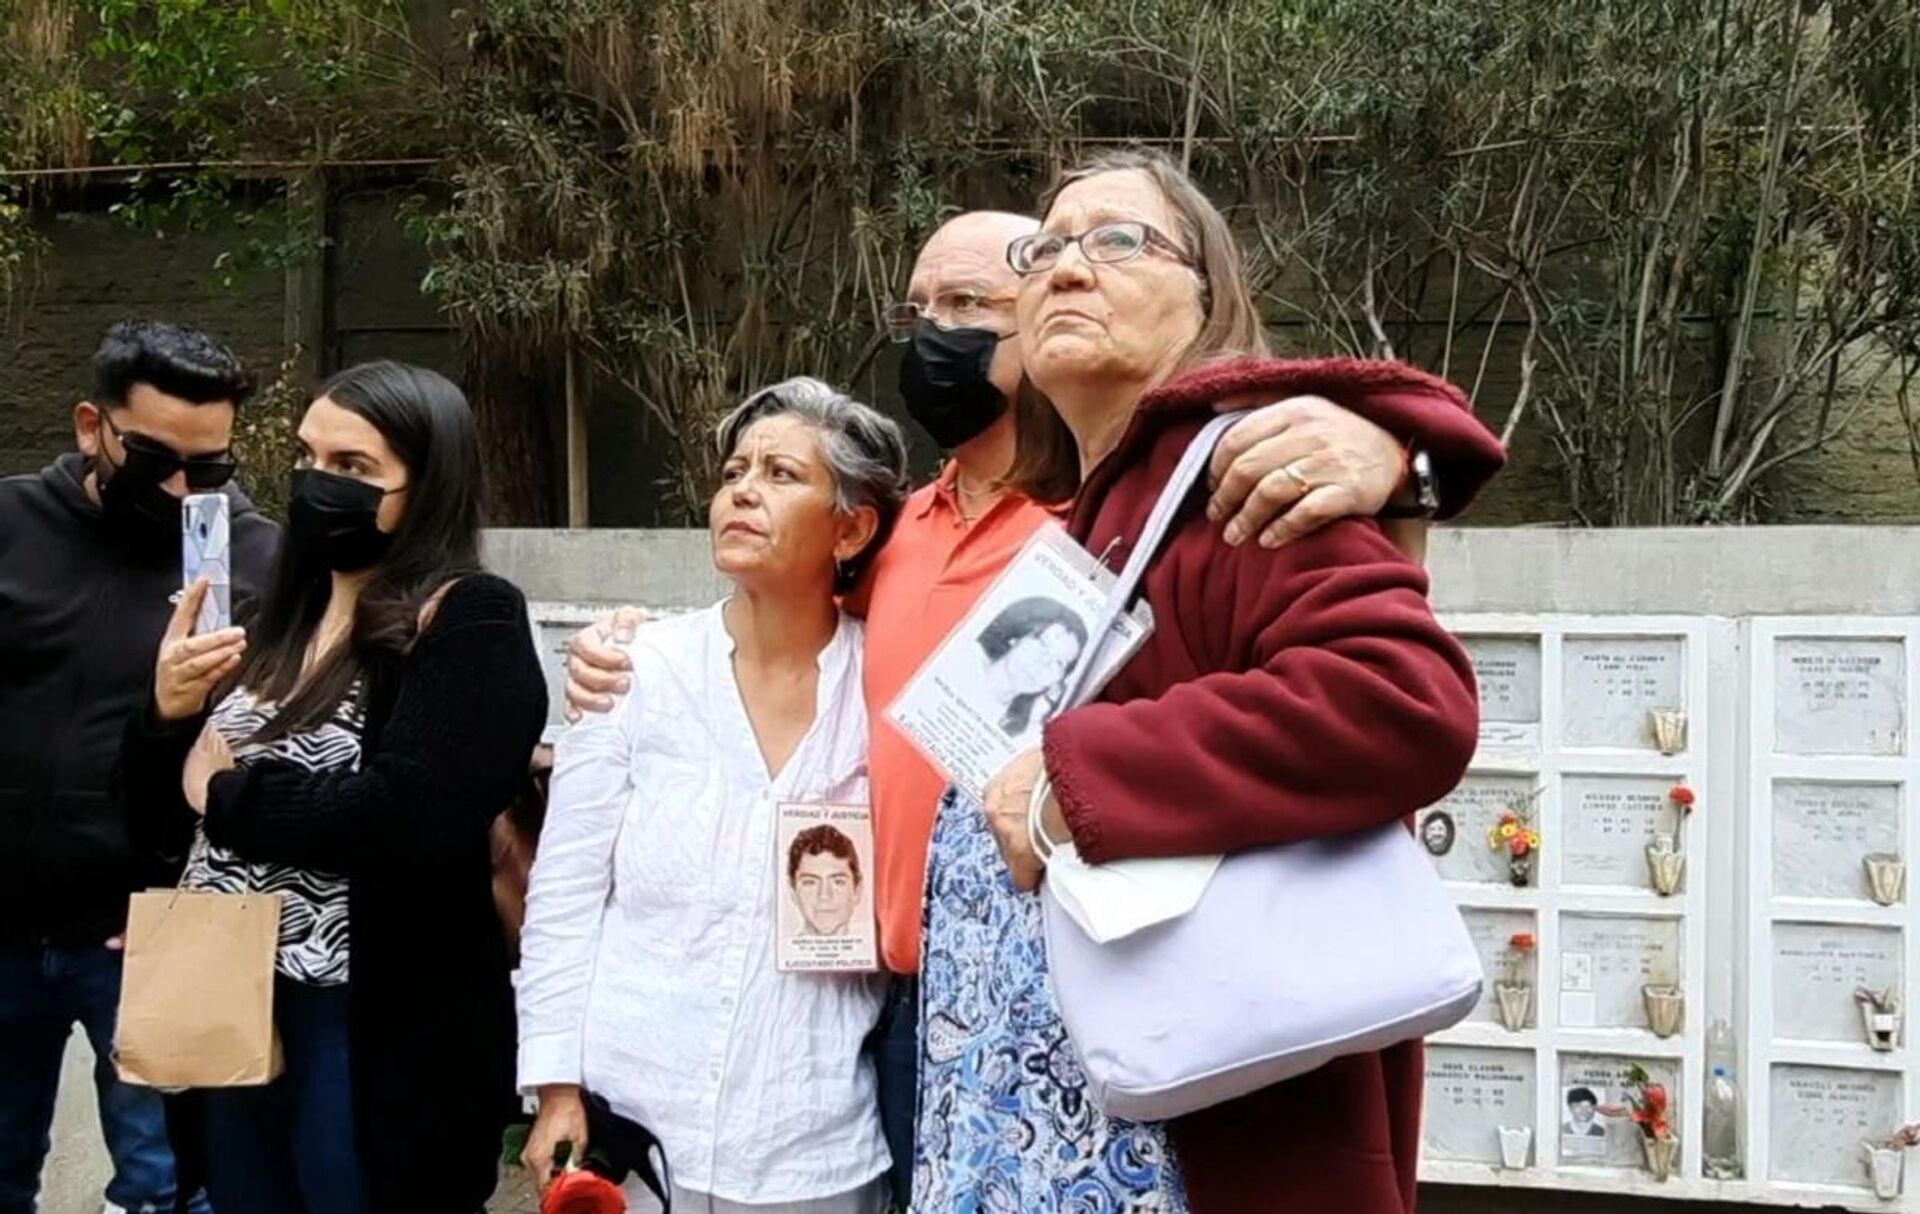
column 1282, row 472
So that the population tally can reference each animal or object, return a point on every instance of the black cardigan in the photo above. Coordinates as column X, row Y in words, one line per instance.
column 431, row 1030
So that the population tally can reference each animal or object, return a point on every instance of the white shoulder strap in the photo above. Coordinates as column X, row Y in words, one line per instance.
column 1120, row 598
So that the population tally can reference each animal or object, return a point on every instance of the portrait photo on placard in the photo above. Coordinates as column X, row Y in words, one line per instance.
column 1583, row 1127
column 985, row 695
column 1437, row 831
column 824, row 888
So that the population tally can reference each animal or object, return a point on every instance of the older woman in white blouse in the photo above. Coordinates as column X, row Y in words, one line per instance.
column 648, row 974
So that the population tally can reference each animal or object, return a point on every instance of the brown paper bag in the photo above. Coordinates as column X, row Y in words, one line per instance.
column 196, row 998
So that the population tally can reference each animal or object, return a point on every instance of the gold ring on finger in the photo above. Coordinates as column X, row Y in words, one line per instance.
column 1299, row 482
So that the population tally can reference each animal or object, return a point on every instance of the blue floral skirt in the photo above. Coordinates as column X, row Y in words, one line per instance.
column 1005, row 1124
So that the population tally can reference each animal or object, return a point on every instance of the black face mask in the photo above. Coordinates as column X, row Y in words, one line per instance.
column 134, row 504
column 336, row 518
column 943, row 379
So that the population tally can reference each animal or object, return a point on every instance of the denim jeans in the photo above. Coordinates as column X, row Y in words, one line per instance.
column 44, row 992
column 896, row 1064
column 289, row 1147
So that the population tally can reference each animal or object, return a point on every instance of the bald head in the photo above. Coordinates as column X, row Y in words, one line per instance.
column 969, row 250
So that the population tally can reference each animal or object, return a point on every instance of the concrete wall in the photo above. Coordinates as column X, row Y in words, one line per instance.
column 1713, row 571
column 98, row 271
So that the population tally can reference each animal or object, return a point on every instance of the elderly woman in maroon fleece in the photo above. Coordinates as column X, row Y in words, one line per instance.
column 1285, row 694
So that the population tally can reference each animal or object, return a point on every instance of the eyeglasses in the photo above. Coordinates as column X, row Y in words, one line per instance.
column 955, row 309
column 1108, row 244
column 151, row 460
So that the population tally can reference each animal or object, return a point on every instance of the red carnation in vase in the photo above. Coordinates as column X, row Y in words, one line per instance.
column 582, row 1192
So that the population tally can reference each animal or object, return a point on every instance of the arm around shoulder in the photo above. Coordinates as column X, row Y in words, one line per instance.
column 1352, row 707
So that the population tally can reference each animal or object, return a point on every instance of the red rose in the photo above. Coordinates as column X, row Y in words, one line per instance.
column 581, row 1192
column 1522, row 941
column 1518, row 845
column 1682, row 796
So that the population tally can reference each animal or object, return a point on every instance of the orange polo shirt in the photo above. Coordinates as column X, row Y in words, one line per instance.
column 931, row 572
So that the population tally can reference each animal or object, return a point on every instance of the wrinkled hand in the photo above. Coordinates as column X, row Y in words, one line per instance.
column 190, row 667
column 562, row 1118
column 596, row 669
column 209, row 757
column 1006, row 802
column 1291, row 468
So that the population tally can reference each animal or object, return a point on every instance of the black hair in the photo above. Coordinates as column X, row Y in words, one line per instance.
column 1577, row 1095
column 822, row 840
column 184, row 363
column 425, row 418
column 1027, row 617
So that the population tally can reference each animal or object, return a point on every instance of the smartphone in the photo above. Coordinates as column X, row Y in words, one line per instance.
column 203, row 554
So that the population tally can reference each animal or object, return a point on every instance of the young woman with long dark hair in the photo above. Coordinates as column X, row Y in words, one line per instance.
column 349, row 751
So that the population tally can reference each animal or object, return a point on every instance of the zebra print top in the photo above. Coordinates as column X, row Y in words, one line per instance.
column 313, row 905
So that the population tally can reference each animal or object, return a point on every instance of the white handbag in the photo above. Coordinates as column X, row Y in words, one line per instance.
column 1290, row 956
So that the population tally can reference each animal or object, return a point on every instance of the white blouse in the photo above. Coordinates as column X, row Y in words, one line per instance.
column 647, row 969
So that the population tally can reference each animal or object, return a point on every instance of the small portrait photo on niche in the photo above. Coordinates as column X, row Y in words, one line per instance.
column 1437, row 832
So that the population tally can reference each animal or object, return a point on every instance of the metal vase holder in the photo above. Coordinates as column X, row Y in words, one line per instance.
column 1884, row 1029
column 1669, row 726
column 1661, row 1155
column 1886, row 877
column 1666, row 865
column 1886, row 1166
column 1514, row 1003
column 1666, row 1008
column 1516, row 1147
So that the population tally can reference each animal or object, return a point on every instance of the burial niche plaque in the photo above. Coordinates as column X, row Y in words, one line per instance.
column 1493, row 932
column 1608, row 821
column 1839, row 696
column 1822, row 830
column 1590, row 1084
column 1819, row 1116
column 1471, row 809
column 1471, row 1093
column 1613, row 684
column 1508, row 671
column 1605, row 960
column 1817, row 967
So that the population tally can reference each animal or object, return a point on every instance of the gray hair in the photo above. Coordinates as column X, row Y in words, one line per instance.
column 864, row 449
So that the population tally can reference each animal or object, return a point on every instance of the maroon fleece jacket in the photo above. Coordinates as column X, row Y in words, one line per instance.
column 1283, row 695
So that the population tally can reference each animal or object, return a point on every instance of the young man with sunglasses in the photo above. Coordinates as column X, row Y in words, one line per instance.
column 90, row 557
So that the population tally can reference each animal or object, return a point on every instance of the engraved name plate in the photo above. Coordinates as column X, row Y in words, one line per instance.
column 1821, row 829
column 1816, row 969
column 1605, row 960
column 1613, row 683
column 1508, row 672
column 1470, row 1094
column 1839, row 696
column 1819, row 1116
column 1608, row 821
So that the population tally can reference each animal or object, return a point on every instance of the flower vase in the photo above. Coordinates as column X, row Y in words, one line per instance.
column 1883, row 1028
column 1666, row 865
column 1520, row 869
column 1666, row 1008
column 1885, row 1165
column 1669, row 729
column 1516, row 1146
column 1886, row 877
column 1661, row 1154
column 1514, row 1002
